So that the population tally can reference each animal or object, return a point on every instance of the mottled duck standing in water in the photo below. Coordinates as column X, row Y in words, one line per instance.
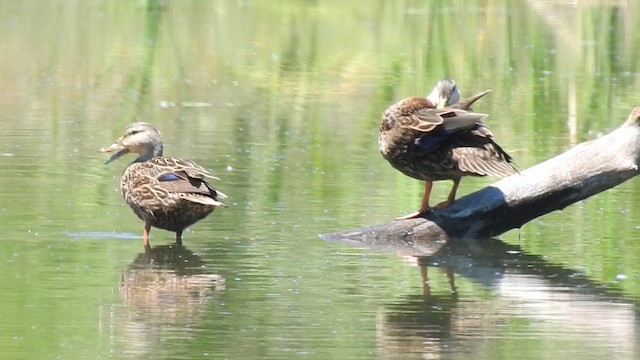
column 166, row 193
column 435, row 138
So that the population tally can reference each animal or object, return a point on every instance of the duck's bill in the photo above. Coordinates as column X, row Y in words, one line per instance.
column 119, row 151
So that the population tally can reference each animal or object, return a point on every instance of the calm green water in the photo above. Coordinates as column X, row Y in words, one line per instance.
column 282, row 100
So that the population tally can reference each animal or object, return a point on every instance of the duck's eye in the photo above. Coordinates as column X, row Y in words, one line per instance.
column 133, row 132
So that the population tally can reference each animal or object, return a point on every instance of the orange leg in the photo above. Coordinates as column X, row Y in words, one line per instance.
column 424, row 206
column 145, row 235
column 452, row 195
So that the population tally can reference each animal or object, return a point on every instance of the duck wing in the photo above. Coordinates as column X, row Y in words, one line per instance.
column 186, row 179
column 453, row 123
column 421, row 115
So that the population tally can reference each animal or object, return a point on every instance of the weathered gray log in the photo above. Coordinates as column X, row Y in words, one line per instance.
column 584, row 170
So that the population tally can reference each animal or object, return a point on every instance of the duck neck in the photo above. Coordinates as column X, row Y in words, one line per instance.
column 149, row 152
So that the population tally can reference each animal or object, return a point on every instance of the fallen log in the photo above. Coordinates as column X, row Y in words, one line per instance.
column 583, row 171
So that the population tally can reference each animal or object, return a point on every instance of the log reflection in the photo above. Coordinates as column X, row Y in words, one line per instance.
column 522, row 289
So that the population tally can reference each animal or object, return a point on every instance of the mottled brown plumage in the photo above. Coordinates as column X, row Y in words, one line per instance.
column 431, row 144
column 166, row 193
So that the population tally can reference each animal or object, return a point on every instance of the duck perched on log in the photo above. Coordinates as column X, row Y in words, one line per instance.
column 436, row 138
column 165, row 192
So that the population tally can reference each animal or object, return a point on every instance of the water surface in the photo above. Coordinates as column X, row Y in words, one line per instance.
column 282, row 102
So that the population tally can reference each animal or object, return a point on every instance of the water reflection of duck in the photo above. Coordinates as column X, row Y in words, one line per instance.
column 166, row 193
column 554, row 300
column 169, row 276
column 165, row 287
column 433, row 139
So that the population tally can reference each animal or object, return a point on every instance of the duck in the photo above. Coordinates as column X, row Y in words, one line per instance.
column 437, row 138
column 165, row 192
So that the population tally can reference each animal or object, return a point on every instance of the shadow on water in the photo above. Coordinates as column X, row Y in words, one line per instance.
column 527, row 295
column 164, row 287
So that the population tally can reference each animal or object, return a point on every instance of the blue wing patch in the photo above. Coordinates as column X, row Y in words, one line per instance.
column 168, row 177
column 428, row 143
